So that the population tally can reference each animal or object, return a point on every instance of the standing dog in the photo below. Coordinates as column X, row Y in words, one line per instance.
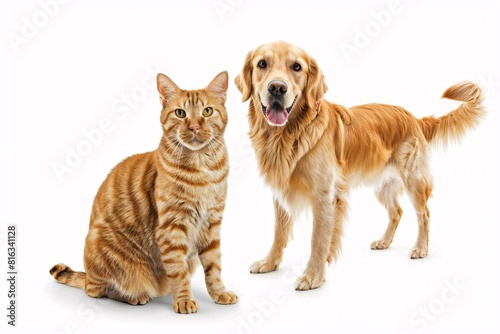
column 311, row 152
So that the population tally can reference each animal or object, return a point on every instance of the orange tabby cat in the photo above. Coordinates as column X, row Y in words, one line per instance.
column 158, row 213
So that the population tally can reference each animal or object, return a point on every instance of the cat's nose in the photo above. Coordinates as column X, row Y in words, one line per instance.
column 195, row 128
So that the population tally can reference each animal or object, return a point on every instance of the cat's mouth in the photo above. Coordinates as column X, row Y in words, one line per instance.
column 196, row 141
column 276, row 113
column 195, row 144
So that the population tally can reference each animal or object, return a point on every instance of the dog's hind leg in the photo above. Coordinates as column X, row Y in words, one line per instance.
column 387, row 195
column 282, row 230
column 418, row 183
column 419, row 190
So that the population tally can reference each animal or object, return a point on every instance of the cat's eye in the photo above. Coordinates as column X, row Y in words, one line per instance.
column 262, row 63
column 208, row 111
column 296, row 67
column 180, row 113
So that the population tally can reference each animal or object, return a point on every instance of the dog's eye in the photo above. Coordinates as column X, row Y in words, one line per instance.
column 180, row 113
column 208, row 111
column 262, row 63
column 296, row 67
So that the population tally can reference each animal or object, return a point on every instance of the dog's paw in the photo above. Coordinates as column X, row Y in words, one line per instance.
column 419, row 252
column 379, row 244
column 225, row 298
column 308, row 282
column 263, row 266
column 186, row 306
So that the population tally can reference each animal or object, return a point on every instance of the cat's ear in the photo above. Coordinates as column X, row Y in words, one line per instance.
column 167, row 88
column 218, row 86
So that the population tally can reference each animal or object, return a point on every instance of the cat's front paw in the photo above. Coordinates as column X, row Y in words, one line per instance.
column 225, row 298
column 185, row 306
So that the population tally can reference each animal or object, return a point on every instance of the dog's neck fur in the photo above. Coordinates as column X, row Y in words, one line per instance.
column 281, row 148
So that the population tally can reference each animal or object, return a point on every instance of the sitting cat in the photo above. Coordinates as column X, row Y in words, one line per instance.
column 158, row 213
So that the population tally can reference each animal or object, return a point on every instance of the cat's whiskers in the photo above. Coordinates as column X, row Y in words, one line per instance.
column 220, row 144
column 162, row 211
column 177, row 171
column 212, row 148
column 169, row 146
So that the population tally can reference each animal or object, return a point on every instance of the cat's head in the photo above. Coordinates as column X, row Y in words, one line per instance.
column 193, row 118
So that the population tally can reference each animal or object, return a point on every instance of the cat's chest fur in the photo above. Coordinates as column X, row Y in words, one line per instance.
column 205, row 211
column 196, row 192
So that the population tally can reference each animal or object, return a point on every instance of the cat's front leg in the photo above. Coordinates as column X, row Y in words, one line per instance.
column 210, row 257
column 174, row 249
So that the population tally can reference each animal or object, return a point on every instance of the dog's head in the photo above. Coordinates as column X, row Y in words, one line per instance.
column 279, row 77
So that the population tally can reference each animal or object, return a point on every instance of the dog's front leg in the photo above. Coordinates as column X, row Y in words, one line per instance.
column 282, row 230
column 314, row 274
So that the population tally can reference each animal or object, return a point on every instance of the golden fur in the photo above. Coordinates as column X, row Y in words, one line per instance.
column 312, row 152
column 158, row 213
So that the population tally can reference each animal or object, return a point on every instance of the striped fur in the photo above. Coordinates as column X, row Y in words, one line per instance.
column 158, row 214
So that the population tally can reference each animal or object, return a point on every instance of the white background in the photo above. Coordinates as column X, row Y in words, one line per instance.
column 77, row 67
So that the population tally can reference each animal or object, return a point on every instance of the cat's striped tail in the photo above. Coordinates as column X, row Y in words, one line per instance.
column 64, row 274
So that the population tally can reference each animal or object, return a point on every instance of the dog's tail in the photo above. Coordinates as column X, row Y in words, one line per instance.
column 453, row 126
column 64, row 274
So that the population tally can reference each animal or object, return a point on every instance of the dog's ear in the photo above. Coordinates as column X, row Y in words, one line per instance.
column 316, row 86
column 244, row 80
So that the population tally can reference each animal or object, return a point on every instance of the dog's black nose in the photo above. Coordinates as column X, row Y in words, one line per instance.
column 277, row 87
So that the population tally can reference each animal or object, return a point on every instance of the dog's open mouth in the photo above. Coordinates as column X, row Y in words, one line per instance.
column 276, row 113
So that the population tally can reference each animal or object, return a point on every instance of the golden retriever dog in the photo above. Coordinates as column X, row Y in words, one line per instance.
column 312, row 152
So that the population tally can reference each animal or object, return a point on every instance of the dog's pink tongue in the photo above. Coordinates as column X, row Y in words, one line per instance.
column 277, row 117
